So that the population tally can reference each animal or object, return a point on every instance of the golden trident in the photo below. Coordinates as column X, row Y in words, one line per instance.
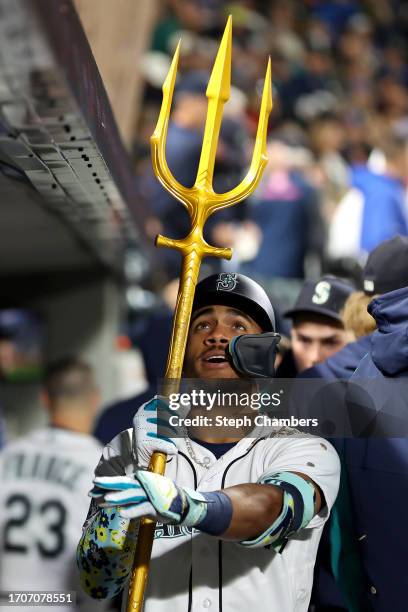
column 200, row 201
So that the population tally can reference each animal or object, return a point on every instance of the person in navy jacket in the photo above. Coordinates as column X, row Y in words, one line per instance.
column 377, row 466
column 366, row 551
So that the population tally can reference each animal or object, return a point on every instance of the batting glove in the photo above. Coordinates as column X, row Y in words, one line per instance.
column 146, row 439
column 151, row 495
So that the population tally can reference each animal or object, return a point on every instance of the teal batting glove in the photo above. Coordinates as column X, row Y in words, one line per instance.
column 152, row 495
column 158, row 497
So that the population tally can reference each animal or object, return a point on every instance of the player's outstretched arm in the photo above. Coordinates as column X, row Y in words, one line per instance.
column 253, row 514
column 105, row 552
column 268, row 513
column 256, row 507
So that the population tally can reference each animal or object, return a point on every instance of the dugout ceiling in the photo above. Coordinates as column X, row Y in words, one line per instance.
column 67, row 190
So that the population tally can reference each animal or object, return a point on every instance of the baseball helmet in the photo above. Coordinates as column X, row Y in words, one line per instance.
column 238, row 291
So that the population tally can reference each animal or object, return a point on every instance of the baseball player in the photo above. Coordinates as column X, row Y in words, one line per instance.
column 239, row 521
column 44, row 481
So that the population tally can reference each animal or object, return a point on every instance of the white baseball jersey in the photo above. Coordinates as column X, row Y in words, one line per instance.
column 45, row 477
column 192, row 571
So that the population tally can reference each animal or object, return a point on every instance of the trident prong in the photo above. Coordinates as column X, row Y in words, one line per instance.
column 218, row 92
column 158, row 139
column 259, row 156
column 201, row 201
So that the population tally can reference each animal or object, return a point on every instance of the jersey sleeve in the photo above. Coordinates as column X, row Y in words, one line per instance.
column 106, row 549
column 312, row 456
column 117, row 457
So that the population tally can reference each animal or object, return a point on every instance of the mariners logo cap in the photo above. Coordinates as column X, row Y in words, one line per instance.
column 237, row 291
column 387, row 267
column 325, row 296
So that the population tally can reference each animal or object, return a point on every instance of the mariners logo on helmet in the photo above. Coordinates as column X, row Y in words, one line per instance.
column 226, row 281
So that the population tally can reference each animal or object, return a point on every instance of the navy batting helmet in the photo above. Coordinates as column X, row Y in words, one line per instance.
column 238, row 291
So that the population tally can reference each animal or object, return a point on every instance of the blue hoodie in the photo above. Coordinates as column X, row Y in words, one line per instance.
column 326, row 593
column 377, row 468
column 389, row 344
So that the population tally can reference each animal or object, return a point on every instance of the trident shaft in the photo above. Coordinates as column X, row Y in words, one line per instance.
column 200, row 201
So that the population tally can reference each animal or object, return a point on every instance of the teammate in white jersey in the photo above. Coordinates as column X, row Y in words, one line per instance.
column 44, row 481
column 238, row 522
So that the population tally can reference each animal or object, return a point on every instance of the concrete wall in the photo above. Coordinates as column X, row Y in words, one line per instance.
column 118, row 32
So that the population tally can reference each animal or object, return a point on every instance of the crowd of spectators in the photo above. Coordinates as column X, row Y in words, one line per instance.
column 335, row 185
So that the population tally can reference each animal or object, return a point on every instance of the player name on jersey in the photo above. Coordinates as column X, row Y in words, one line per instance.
column 45, row 467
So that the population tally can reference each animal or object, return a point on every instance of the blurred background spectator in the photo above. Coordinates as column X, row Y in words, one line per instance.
column 45, row 479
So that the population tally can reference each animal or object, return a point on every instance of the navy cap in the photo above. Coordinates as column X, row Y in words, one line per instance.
column 326, row 296
column 387, row 267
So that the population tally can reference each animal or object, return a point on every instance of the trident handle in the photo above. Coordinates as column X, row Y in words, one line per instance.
column 200, row 201
column 140, row 573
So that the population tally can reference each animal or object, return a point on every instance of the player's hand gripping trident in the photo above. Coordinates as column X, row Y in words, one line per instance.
column 200, row 201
